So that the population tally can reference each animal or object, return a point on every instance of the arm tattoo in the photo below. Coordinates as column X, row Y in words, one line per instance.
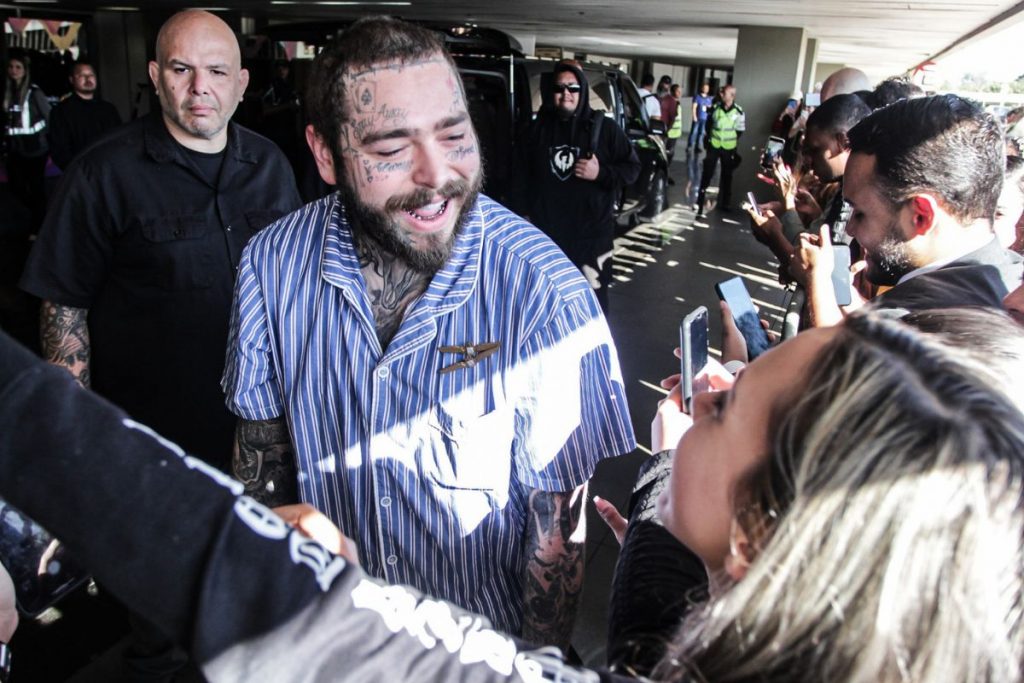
column 391, row 285
column 264, row 461
column 64, row 336
column 554, row 550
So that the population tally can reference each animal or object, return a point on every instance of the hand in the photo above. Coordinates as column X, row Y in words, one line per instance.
column 670, row 421
column 807, row 206
column 786, row 182
column 587, row 169
column 860, row 289
column 8, row 611
column 766, row 227
column 616, row 522
column 734, row 346
column 814, row 259
column 312, row 523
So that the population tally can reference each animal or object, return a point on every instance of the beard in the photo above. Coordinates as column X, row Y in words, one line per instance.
column 388, row 232
column 890, row 259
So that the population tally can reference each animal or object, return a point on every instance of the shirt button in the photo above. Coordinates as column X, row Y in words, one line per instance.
column 392, row 560
column 228, row 228
column 383, row 372
column 386, row 501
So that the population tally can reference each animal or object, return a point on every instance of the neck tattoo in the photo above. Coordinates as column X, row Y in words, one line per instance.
column 391, row 285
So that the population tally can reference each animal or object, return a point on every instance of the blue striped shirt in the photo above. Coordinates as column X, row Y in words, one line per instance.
column 429, row 473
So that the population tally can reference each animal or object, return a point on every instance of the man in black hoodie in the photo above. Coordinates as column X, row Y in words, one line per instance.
column 574, row 163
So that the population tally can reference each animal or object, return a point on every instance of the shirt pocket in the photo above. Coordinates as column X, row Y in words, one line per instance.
column 180, row 253
column 473, row 452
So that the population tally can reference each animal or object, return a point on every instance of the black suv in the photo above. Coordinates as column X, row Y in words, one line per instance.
column 503, row 90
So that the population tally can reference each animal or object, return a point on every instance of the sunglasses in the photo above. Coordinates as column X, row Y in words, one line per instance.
column 559, row 88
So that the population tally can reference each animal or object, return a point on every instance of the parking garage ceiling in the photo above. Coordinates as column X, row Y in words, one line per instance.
column 880, row 36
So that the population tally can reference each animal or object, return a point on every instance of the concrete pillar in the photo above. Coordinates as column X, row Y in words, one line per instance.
column 810, row 62
column 121, row 57
column 769, row 67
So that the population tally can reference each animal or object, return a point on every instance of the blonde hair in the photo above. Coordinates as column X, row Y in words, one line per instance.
column 887, row 518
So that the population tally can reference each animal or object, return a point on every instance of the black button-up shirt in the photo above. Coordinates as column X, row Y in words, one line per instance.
column 137, row 235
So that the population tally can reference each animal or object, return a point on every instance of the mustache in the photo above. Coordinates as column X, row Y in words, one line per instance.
column 421, row 196
column 199, row 100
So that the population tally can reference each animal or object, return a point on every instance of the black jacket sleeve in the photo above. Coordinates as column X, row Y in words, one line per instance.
column 252, row 599
column 620, row 166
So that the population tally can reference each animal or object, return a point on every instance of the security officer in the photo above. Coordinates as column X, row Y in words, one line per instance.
column 725, row 125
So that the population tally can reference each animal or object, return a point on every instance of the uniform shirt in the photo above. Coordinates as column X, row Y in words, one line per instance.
column 726, row 125
column 136, row 235
column 703, row 103
column 651, row 103
column 429, row 472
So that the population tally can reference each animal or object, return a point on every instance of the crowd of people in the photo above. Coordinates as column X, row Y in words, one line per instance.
column 352, row 439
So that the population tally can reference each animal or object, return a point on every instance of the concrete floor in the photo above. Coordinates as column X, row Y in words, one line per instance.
column 663, row 269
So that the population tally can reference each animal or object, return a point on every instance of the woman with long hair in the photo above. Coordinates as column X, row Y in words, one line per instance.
column 875, row 527
column 856, row 496
column 27, row 109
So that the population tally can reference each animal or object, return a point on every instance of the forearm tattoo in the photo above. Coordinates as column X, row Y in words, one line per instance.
column 554, row 551
column 64, row 337
column 264, row 461
column 391, row 285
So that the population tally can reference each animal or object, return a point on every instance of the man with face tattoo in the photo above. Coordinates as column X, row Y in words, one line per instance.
column 416, row 361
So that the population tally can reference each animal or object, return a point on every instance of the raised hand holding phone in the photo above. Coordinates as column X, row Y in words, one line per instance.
column 741, row 307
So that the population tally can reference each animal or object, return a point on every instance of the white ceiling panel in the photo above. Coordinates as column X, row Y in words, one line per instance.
column 880, row 36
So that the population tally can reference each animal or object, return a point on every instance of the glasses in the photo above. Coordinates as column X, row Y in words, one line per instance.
column 560, row 88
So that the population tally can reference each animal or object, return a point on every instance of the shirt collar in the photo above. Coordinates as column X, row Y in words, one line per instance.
column 449, row 287
column 163, row 148
column 935, row 265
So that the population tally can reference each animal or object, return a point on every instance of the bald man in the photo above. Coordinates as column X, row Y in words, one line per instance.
column 136, row 260
column 845, row 81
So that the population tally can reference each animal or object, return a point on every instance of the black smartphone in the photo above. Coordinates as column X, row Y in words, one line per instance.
column 841, row 274
column 38, row 563
column 693, row 339
column 772, row 149
column 734, row 293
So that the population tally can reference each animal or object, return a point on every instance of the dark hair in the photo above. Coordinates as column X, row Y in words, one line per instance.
column 648, row 79
column 892, row 90
column 838, row 114
column 944, row 145
column 369, row 41
column 82, row 61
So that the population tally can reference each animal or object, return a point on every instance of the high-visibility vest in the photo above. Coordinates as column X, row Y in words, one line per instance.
column 726, row 125
column 676, row 131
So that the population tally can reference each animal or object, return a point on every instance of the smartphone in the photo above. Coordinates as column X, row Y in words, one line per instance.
column 38, row 563
column 772, row 149
column 841, row 274
column 753, row 203
column 693, row 339
column 734, row 293
column 812, row 99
